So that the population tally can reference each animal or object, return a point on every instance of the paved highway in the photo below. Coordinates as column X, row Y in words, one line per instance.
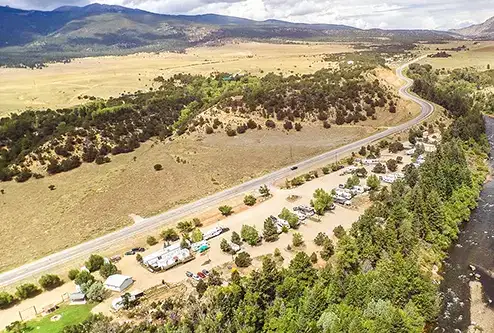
column 85, row 249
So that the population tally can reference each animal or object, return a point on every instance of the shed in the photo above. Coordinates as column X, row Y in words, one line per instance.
column 77, row 298
column 118, row 282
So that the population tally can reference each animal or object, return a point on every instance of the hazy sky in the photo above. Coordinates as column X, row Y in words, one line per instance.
column 387, row 14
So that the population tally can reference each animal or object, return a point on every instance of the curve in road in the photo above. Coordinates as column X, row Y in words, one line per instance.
column 146, row 225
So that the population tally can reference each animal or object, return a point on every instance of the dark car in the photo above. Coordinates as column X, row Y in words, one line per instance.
column 130, row 253
column 294, row 167
column 205, row 272
column 189, row 274
column 138, row 249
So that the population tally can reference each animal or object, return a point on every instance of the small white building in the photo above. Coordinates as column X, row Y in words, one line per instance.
column 77, row 298
column 118, row 282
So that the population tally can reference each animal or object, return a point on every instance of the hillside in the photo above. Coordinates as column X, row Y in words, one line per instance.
column 31, row 37
column 483, row 30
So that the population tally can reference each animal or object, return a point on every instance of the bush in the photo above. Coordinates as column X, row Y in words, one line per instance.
column 226, row 210
column 297, row 240
column 379, row 168
column 236, row 238
column 73, row 274
column 250, row 200
column 327, row 250
column 298, row 127
column 250, row 235
column 209, row 130
column 373, row 182
column 158, row 167
column 102, row 160
column 197, row 222
column 352, row 181
column 151, row 241
column 392, row 165
column 290, row 217
column 50, row 281
column 264, row 191
column 196, row 236
column 243, row 260
column 325, row 170
column 270, row 231
column 399, row 159
column 169, row 235
column 225, row 246
column 339, row 232
column 185, row 226
column 96, row 292
column 83, row 278
column 313, row 258
column 396, row 147
column 94, row 262
column 6, row 300
column 27, row 290
column 326, row 124
column 270, row 124
column 107, row 270
column 321, row 238
column 230, row 132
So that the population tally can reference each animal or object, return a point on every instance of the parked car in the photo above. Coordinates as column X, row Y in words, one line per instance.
column 196, row 277
column 347, row 203
column 130, row 253
column 201, row 275
column 333, row 206
column 189, row 274
column 341, row 185
column 205, row 272
column 115, row 258
column 138, row 249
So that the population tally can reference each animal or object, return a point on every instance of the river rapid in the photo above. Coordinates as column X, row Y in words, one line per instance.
column 475, row 246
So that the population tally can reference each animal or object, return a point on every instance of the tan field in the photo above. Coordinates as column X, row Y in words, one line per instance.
column 60, row 85
column 478, row 56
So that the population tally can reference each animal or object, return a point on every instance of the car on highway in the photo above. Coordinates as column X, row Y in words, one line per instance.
column 201, row 275
column 294, row 167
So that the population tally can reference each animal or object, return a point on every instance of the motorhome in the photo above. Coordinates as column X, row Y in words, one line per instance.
column 216, row 231
column 388, row 179
column 343, row 193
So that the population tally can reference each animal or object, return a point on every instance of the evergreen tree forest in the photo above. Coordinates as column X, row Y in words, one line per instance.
column 380, row 278
column 35, row 143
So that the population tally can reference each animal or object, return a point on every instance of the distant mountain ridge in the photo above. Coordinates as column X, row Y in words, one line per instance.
column 483, row 30
column 71, row 31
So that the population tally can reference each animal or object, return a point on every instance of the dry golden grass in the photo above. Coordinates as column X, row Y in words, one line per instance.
column 60, row 85
column 478, row 56
column 93, row 200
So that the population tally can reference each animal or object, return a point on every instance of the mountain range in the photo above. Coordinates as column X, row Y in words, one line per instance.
column 30, row 36
column 484, row 30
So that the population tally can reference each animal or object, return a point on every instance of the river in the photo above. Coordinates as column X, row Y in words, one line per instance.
column 475, row 246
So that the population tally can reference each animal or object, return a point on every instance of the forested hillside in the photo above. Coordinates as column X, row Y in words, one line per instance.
column 381, row 276
column 35, row 143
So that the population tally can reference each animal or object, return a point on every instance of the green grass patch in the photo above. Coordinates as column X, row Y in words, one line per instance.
column 71, row 315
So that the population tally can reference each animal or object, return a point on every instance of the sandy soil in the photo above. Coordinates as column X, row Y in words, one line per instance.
column 60, row 85
column 253, row 216
column 482, row 316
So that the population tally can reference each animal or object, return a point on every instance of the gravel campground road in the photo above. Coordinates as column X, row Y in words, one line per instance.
column 151, row 223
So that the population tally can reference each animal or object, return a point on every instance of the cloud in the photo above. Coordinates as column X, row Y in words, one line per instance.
column 388, row 14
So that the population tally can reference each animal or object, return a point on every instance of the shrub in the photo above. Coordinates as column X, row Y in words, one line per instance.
column 225, row 246
column 50, row 281
column 249, row 234
column 297, row 240
column 73, row 274
column 236, row 238
column 243, row 259
column 392, row 165
column 226, row 210
column 169, row 235
column 298, row 127
column 209, row 130
column 158, row 167
column 250, row 200
column 313, row 258
column 379, row 168
column 373, row 182
column 27, row 290
column 139, row 258
column 83, row 278
column 96, row 292
column 326, row 124
column 185, row 226
column 184, row 244
column 264, row 191
column 107, row 270
column 270, row 231
column 201, row 287
column 251, row 124
column 230, row 132
column 327, row 250
column 151, row 241
column 196, row 236
column 352, row 181
column 325, row 170
column 270, row 124
column 288, row 125
column 197, row 222
column 6, row 300
column 290, row 217
column 339, row 232
column 94, row 262
column 399, row 159
column 321, row 238
column 102, row 160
